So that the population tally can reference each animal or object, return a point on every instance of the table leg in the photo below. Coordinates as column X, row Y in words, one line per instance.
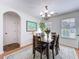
column 47, row 51
column 48, row 47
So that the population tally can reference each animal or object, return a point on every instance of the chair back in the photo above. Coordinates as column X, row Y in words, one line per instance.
column 36, row 41
column 54, row 38
column 53, row 35
column 57, row 41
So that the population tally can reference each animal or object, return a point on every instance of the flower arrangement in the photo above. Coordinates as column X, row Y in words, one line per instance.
column 42, row 26
column 47, row 31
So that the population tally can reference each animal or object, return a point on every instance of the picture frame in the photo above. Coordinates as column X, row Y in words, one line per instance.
column 31, row 26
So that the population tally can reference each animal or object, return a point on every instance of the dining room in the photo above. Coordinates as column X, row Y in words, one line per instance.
column 39, row 29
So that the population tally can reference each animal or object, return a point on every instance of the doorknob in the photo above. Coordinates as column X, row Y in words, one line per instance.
column 6, row 33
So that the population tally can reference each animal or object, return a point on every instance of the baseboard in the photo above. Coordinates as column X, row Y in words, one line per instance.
column 27, row 44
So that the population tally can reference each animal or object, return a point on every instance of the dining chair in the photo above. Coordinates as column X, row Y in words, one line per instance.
column 57, row 45
column 52, row 45
column 53, row 34
column 39, row 46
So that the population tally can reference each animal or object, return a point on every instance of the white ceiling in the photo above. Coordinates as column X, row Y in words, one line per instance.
column 34, row 7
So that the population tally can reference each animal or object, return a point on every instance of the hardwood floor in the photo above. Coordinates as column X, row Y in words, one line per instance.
column 10, row 51
column 77, row 50
column 11, row 47
column 1, row 56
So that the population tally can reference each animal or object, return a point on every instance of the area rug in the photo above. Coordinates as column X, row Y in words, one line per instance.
column 26, row 53
column 64, row 53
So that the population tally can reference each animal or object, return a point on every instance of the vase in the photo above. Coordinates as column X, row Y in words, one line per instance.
column 42, row 36
column 47, row 32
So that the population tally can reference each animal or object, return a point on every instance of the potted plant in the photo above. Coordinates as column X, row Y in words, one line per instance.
column 47, row 31
column 42, row 27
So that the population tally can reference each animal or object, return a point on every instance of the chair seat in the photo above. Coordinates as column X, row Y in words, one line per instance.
column 51, row 47
column 41, row 48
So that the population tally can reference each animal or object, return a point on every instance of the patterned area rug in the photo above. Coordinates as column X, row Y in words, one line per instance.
column 26, row 53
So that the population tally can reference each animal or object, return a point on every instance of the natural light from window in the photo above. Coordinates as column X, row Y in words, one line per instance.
column 68, row 28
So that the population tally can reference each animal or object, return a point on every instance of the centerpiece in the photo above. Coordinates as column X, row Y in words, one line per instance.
column 47, row 31
column 42, row 27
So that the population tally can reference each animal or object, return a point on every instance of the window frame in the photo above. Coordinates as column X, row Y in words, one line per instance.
column 68, row 37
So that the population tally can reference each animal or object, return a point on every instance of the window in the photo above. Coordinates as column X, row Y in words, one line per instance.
column 68, row 28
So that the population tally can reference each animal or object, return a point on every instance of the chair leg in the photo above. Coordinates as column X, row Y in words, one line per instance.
column 33, row 54
column 47, row 53
column 56, row 50
column 53, row 53
column 41, row 56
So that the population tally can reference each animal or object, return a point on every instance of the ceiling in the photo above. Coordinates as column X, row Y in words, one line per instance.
column 34, row 7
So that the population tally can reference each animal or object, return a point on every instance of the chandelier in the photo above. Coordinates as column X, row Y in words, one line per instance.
column 45, row 14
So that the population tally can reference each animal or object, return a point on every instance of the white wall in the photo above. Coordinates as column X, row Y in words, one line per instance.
column 56, row 27
column 26, row 37
column 1, row 36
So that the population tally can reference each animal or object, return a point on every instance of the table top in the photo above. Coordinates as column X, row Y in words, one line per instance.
column 45, row 39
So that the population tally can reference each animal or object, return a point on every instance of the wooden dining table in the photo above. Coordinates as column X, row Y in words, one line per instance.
column 48, row 40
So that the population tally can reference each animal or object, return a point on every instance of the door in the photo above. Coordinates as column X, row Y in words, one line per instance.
column 10, row 29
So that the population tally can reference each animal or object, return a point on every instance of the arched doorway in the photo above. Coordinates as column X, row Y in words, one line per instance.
column 11, row 30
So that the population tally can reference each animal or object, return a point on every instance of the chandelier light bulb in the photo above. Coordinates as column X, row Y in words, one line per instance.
column 49, row 15
column 41, row 13
column 46, row 11
column 51, row 12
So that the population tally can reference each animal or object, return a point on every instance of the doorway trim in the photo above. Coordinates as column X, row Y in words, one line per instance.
column 20, row 24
